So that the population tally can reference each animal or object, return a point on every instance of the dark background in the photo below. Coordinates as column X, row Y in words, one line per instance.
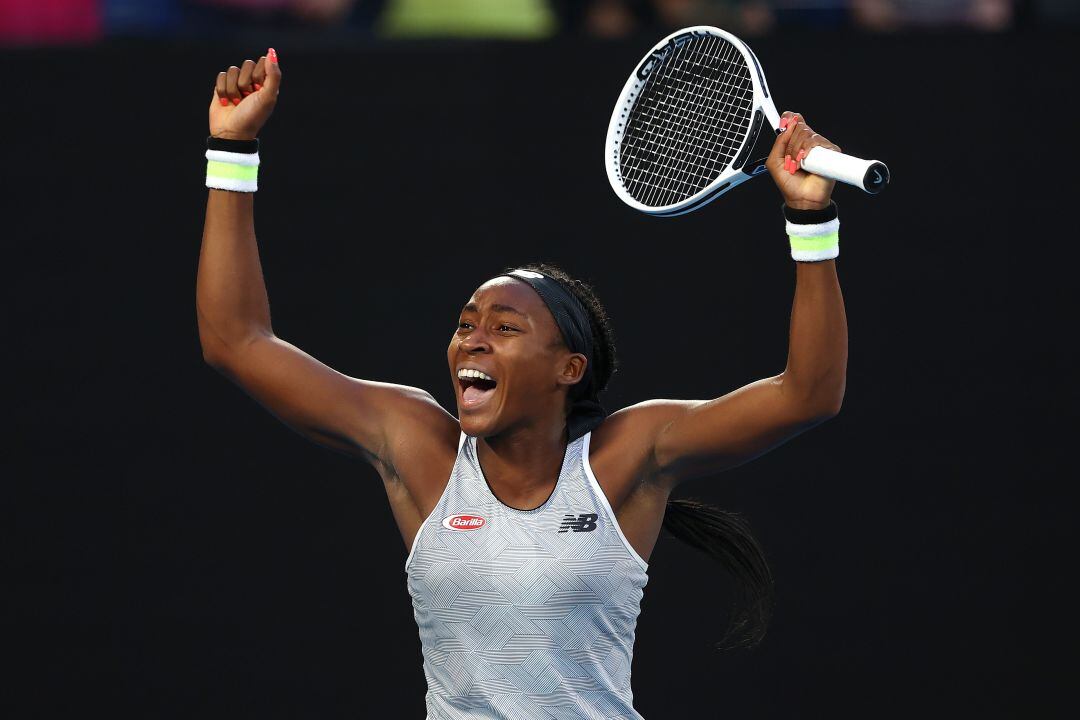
column 176, row 552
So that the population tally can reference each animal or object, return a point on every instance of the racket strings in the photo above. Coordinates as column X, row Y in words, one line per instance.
column 689, row 155
column 680, row 150
column 688, row 123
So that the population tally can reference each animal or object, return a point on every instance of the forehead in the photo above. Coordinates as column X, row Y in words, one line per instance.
column 508, row 291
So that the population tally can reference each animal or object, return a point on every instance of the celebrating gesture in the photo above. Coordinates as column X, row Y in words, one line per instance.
column 244, row 97
column 530, row 513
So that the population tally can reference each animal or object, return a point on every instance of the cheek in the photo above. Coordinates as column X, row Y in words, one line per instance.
column 531, row 371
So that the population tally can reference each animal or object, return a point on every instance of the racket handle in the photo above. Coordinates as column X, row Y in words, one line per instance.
column 870, row 175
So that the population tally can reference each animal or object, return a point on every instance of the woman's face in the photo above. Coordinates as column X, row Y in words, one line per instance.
column 507, row 360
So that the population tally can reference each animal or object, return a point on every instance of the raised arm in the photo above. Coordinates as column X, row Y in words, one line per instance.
column 355, row 416
column 695, row 438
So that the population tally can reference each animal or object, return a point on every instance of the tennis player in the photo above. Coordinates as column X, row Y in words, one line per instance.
column 530, row 516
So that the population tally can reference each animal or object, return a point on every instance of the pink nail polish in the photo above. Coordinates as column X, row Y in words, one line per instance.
column 258, row 86
column 235, row 101
column 783, row 122
column 224, row 102
column 272, row 54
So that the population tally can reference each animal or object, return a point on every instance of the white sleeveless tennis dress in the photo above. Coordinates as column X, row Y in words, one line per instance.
column 526, row 614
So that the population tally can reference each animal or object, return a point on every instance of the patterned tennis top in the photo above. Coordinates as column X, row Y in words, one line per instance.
column 526, row 613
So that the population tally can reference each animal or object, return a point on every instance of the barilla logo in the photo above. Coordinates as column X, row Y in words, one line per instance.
column 464, row 522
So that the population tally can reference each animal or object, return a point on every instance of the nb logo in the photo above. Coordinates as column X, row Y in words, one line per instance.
column 578, row 523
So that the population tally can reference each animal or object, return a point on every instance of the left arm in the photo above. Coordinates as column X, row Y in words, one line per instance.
column 694, row 438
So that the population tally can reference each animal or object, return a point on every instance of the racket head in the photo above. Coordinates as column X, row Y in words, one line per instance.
column 685, row 123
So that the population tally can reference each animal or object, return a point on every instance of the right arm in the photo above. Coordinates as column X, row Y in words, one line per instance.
column 360, row 417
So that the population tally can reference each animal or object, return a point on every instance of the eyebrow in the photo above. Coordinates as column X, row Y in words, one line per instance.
column 497, row 307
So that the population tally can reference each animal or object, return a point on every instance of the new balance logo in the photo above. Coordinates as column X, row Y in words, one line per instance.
column 578, row 523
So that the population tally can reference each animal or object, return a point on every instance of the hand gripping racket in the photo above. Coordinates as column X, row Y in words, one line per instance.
column 684, row 129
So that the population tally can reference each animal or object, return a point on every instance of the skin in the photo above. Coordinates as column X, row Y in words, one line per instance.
column 639, row 454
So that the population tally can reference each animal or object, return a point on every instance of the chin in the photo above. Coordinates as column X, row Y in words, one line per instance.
column 484, row 420
column 477, row 425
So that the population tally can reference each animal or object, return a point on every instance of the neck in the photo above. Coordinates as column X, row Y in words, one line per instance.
column 522, row 465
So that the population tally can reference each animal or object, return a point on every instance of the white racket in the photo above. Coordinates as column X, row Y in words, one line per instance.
column 686, row 124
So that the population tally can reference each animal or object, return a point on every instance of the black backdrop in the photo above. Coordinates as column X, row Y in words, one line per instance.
column 175, row 552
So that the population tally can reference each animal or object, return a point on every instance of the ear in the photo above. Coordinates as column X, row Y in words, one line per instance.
column 573, row 369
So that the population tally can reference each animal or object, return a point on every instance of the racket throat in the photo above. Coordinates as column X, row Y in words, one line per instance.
column 751, row 159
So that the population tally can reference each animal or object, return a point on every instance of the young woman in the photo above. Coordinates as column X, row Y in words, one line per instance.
column 531, row 515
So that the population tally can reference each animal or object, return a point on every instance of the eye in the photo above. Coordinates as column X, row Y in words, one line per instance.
column 463, row 325
column 507, row 328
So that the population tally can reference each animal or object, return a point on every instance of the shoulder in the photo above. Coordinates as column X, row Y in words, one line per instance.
column 623, row 446
column 421, row 442
column 406, row 415
column 638, row 425
column 420, row 424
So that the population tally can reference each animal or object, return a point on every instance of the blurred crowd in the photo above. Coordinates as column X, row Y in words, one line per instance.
column 24, row 22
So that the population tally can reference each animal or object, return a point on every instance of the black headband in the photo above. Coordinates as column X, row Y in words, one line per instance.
column 570, row 315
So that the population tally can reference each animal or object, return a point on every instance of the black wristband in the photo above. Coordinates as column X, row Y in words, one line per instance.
column 249, row 147
column 811, row 217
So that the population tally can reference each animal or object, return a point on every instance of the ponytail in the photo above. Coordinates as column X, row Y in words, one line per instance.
column 725, row 537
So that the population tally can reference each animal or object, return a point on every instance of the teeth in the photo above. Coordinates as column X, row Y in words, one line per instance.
column 467, row 373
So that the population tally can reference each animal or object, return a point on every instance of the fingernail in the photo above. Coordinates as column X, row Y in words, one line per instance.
column 245, row 93
column 272, row 54
column 783, row 122
column 224, row 101
column 235, row 101
column 787, row 163
column 800, row 156
column 258, row 86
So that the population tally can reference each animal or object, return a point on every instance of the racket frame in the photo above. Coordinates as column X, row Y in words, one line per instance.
column 763, row 111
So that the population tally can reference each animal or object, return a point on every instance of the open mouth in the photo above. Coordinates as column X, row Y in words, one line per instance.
column 476, row 386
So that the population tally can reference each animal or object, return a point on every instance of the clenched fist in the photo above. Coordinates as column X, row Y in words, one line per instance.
column 244, row 97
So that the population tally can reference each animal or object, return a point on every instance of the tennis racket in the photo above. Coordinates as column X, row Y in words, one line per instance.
column 686, row 127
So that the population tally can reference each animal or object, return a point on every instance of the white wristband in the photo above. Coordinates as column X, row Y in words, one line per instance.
column 238, row 172
column 814, row 243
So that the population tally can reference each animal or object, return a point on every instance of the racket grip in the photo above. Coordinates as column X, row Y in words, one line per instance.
column 870, row 175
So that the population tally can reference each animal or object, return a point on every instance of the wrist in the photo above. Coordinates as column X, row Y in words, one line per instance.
column 807, row 204
column 814, row 233
column 231, row 135
column 232, row 164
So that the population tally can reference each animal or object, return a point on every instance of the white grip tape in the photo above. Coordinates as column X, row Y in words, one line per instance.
column 837, row 166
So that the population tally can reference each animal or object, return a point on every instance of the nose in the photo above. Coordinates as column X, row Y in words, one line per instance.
column 476, row 342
